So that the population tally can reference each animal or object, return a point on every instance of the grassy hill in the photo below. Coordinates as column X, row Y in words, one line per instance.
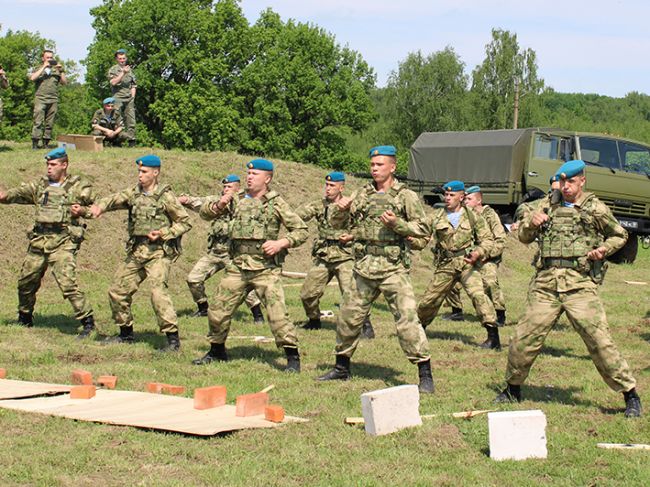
column 39, row 450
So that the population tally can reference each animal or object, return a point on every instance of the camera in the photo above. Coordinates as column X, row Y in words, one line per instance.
column 53, row 62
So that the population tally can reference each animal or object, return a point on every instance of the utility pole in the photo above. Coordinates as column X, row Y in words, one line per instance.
column 516, row 115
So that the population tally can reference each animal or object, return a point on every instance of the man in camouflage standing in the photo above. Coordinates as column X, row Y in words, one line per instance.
column 331, row 257
column 575, row 235
column 123, row 87
column 156, row 222
column 383, row 215
column 257, row 254
column 218, row 256
column 60, row 200
column 462, row 239
column 47, row 78
column 4, row 84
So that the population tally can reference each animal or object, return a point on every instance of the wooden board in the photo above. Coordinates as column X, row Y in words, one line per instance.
column 17, row 389
column 144, row 410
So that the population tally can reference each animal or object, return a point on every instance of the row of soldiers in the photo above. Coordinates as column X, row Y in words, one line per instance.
column 365, row 240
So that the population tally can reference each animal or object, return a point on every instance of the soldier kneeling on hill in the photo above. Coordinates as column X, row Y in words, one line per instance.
column 108, row 123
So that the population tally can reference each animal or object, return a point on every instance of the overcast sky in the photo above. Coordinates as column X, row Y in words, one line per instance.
column 595, row 46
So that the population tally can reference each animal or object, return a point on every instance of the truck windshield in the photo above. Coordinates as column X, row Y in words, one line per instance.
column 635, row 158
column 600, row 152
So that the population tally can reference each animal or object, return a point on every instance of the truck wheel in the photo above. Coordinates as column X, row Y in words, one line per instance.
column 627, row 254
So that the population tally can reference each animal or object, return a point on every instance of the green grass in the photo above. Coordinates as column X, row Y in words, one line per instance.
column 40, row 450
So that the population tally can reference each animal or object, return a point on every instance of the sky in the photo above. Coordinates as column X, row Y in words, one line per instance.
column 597, row 46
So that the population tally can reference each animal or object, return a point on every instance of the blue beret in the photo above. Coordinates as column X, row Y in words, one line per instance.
column 149, row 160
column 454, row 186
column 231, row 178
column 120, row 51
column 570, row 169
column 553, row 179
column 110, row 99
column 335, row 177
column 383, row 150
column 56, row 154
column 261, row 164
column 473, row 189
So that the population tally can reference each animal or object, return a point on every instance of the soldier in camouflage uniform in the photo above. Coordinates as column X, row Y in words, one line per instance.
column 574, row 236
column 383, row 215
column 60, row 200
column 462, row 240
column 331, row 257
column 123, row 87
column 4, row 84
column 47, row 78
column 218, row 256
column 156, row 222
column 257, row 254
column 107, row 122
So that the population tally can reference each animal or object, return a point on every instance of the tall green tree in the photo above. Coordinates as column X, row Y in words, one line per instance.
column 494, row 80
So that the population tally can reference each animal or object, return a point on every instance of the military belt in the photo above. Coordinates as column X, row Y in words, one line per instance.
column 450, row 254
column 49, row 228
column 249, row 248
column 144, row 240
column 561, row 263
column 378, row 249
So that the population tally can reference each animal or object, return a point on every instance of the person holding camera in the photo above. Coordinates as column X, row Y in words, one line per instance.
column 123, row 86
column 4, row 84
column 108, row 123
column 47, row 77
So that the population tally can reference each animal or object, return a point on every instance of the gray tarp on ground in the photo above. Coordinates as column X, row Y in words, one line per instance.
column 488, row 156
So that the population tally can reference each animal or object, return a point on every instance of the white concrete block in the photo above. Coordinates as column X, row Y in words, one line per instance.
column 388, row 410
column 517, row 435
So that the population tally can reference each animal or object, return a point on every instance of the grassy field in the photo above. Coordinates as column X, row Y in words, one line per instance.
column 40, row 450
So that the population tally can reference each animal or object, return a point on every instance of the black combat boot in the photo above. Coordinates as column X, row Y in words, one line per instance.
column 46, row 143
column 341, row 370
column 455, row 315
column 35, row 144
column 217, row 353
column 312, row 324
column 493, row 342
column 511, row 393
column 131, row 143
column 202, row 310
column 125, row 336
column 426, row 380
column 25, row 319
column 258, row 317
column 88, row 326
column 632, row 404
column 367, row 331
column 173, row 342
column 501, row 317
column 293, row 360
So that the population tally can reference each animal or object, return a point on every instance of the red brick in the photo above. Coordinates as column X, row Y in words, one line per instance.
column 209, row 397
column 3, row 373
column 171, row 389
column 274, row 413
column 108, row 381
column 82, row 377
column 251, row 404
column 154, row 387
column 82, row 392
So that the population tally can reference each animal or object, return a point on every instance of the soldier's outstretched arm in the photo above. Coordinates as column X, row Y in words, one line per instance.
column 309, row 210
column 25, row 194
column 193, row 203
column 178, row 215
column 296, row 228
column 615, row 235
column 117, row 201
column 213, row 207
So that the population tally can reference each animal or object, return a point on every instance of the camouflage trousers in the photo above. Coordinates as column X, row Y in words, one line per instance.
column 144, row 261
column 127, row 110
column 206, row 267
column 446, row 275
column 317, row 279
column 398, row 292
column 232, row 289
column 491, row 286
column 63, row 262
column 117, row 140
column 44, row 115
column 586, row 313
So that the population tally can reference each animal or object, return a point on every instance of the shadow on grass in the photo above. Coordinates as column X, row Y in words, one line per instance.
column 65, row 324
column 561, row 395
column 369, row 371
column 5, row 148
column 646, row 337
column 450, row 335
column 562, row 352
column 152, row 338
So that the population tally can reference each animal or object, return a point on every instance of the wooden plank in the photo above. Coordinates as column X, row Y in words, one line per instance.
column 623, row 446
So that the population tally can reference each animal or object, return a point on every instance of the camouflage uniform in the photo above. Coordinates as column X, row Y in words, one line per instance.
column 158, row 210
column 4, row 83
column 54, row 240
column 217, row 258
column 567, row 281
column 381, row 266
column 253, row 221
column 451, row 247
column 46, row 101
column 124, row 102
column 330, row 257
column 111, row 122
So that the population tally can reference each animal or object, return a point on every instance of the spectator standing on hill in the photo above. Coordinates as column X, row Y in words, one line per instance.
column 123, row 85
column 4, row 84
column 47, row 78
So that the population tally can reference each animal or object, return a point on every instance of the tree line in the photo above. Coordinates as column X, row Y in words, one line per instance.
column 210, row 80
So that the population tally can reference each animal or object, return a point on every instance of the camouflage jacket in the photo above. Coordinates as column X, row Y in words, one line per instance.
column 327, row 246
column 251, row 222
column 54, row 226
column 122, row 90
column 499, row 235
column 47, row 85
column 112, row 123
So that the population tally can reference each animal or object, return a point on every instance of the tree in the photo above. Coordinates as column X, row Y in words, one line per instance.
column 427, row 94
column 493, row 82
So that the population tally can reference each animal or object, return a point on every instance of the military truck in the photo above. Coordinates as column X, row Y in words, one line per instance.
column 514, row 166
